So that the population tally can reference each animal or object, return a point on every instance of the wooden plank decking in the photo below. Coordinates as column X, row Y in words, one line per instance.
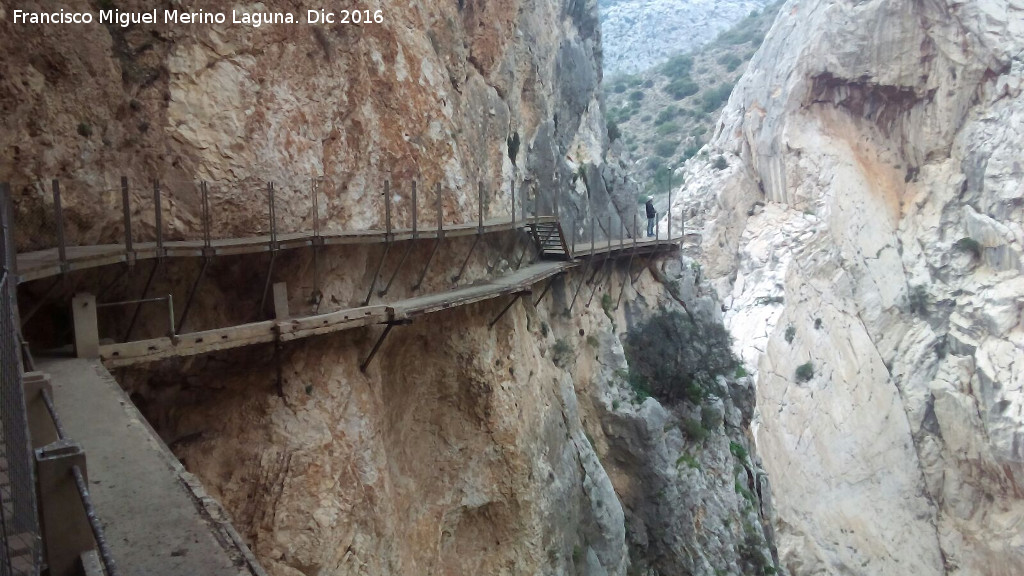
column 44, row 263
column 128, row 353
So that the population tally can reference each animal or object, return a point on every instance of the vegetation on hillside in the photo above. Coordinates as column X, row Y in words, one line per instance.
column 665, row 115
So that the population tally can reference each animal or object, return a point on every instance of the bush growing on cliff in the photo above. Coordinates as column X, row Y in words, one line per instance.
column 678, row 358
column 805, row 372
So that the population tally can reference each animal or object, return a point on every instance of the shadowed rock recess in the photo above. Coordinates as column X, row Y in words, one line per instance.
column 865, row 236
column 533, row 447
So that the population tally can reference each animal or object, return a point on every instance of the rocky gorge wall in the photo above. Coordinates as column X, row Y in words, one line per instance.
column 520, row 449
column 866, row 240
column 463, row 450
column 443, row 93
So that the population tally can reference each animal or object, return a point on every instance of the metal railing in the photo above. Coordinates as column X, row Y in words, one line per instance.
column 20, row 546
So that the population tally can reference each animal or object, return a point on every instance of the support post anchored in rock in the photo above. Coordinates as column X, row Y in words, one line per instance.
column 158, row 221
column 138, row 305
column 380, row 342
column 408, row 248
column 590, row 261
column 629, row 265
column 318, row 241
column 388, row 240
column 192, row 294
column 58, row 216
column 515, row 298
column 437, row 243
column 546, row 289
column 126, row 209
column 479, row 234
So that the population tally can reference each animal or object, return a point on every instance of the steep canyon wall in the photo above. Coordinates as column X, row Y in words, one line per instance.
column 866, row 238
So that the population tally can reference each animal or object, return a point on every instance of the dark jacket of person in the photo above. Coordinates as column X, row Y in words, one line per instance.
column 651, row 212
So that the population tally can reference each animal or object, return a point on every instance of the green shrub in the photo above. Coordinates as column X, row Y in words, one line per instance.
column 667, row 128
column 561, row 353
column 720, row 163
column 741, row 372
column 710, row 418
column 678, row 358
column 691, row 151
column 714, row 98
column 677, row 66
column 694, row 430
column 681, row 88
column 614, row 133
column 689, row 461
column 817, row 323
column 805, row 372
column 790, row 334
column 593, row 341
column 84, row 130
column 667, row 114
column 738, row 451
column 636, row 95
column 666, row 148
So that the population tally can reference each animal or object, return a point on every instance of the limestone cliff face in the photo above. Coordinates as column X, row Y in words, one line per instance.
column 470, row 450
column 449, row 93
column 464, row 449
column 868, row 228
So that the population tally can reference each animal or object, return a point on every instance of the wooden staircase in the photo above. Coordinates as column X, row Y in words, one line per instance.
column 550, row 240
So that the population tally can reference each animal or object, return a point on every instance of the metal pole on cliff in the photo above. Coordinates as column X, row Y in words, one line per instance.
column 58, row 215
column 127, row 209
column 668, row 212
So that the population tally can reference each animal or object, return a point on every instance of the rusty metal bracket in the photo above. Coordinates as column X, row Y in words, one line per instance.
column 138, row 306
column 388, row 240
column 58, row 215
column 437, row 243
column 380, row 342
column 544, row 292
column 191, row 295
column 515, row 298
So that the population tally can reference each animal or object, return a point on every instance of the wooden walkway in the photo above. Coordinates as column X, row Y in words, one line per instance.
column 45, row 263
column 115, row 355
column 129, row 353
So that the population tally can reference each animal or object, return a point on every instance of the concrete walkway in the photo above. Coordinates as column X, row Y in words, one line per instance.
column 158, row 519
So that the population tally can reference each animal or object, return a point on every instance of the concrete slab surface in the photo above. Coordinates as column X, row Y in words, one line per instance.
column 157, row 518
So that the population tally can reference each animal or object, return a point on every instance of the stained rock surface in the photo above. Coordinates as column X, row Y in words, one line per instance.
column 865, row 235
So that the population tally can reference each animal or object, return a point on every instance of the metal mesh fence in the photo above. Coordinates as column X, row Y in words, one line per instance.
column 19, row 531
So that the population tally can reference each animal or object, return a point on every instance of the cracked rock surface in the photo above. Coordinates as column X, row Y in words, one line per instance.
column 868, row 225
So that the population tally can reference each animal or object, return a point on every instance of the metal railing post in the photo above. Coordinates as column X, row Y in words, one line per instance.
column 58, row 214
column 668, row 212
column 480, row 208
column 158, row 219
column 126, row 207
column 512, row 191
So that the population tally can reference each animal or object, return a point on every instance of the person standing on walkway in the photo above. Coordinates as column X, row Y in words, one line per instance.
column 651, row 215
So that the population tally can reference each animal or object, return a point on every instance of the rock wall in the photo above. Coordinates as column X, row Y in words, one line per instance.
column 442, row 93
column 465, row 449
column 866, row 238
